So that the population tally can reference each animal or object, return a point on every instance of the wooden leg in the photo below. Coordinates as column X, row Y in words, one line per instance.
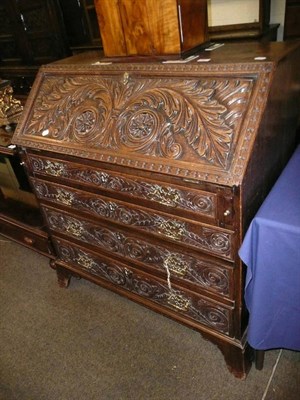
column 238, row 358
column 259, row 359
column 63, row 275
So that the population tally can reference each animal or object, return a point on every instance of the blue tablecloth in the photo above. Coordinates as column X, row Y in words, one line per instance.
column 271, row 252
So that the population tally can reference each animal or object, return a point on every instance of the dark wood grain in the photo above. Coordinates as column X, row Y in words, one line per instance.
column 151, row 27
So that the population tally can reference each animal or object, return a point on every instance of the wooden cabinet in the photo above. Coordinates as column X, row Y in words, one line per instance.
column 148, row 175
column 151, row 27
column 20, row 217
column 81, row 24
column 292, row 20
column 36, row 32
column 32, row 33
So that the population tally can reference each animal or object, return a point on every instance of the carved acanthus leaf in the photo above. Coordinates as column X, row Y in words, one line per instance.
column 162, row 117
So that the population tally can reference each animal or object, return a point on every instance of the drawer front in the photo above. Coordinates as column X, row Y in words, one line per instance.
column 153, row 290
column 186, row 200
column 209, row 239
column 25, row 237
column 215, row 277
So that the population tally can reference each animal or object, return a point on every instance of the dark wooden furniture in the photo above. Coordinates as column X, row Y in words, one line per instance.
column 292, row 20
column 292, row 28
column 20, row 218
column 81, row 25
column 36, row 32
column 243, row 33
column 32, row 33
column 148, row 175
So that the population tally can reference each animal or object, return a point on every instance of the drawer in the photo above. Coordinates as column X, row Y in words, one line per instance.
column 189, row 269
column 142, row 287
column 207, row 238
column 214, row 207
column 36, row 240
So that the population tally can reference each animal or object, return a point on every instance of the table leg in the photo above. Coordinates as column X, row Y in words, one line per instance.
column 259, row 359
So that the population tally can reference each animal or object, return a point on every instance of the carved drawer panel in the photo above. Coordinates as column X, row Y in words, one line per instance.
column 153, row 290
column 186, row 268
column 210, row 239
column 201, row 202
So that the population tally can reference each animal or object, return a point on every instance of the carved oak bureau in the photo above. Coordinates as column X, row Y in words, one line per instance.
column 148, row 174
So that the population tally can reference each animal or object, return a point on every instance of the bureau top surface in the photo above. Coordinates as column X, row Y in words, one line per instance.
column 194, row 119
column 223, row 54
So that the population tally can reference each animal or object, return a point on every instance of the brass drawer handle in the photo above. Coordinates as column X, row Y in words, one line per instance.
column 172, row 229
column 74, row 228
column 64, row 197
column 28, row 240
column 179, row 302
column 54, row 168
column 85, row 261
column 175, row 264
column 166, row 196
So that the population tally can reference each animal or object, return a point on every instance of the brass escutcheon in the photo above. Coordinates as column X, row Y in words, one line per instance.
column 179, row 302
column 172, row 229
column 74, row 228
column 64, row 197
column 166, row 196
column 85, row 261
column 175, row 264
column 54, row 168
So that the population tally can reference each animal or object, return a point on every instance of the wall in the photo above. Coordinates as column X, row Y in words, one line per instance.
column 220, row 12
column 245, row 11
column 277, row 15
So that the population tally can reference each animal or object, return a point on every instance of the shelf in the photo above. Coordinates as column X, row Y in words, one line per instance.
column 20, row 212
column 20, row 218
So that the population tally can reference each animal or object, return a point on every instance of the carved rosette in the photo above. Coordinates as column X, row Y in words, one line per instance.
column 177, row 119
column 85, row 122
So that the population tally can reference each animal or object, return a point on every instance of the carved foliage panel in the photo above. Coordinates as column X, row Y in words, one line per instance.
column 194, row 307
column 199, row 202
column 210, row 239
column 184, row 119
column 212, row 276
